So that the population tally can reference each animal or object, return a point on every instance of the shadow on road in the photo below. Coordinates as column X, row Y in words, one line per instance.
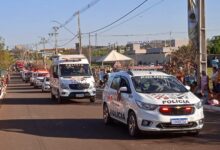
column 45, row 101
column 90, row 129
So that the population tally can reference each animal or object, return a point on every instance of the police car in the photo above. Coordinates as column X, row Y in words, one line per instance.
column 151, row 101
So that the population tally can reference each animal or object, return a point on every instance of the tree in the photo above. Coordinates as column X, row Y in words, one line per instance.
column 5, row 56
column 214, row 45
column 184, row 57
column 2, row 43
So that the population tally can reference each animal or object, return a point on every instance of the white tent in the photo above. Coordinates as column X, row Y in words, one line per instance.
column 114, row 56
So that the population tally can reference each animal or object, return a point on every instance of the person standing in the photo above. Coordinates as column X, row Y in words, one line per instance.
column 204, row 86
column 180, row 75
column 101, row 77
column 215, row 62
column 217, row 81
column 214, row 77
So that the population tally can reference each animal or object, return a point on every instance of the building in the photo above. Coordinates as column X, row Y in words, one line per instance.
column 156, row 52
column 134, row 48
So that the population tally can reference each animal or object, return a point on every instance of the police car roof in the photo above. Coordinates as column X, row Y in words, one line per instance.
column 149, row 73
column 140, row 73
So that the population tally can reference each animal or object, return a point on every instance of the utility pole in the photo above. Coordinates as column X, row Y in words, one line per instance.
column 55, row 33
column 43, row 42
column 202, row 38
column 96, row 39
column 90, row 57
column 36, row 54
column 79, row 33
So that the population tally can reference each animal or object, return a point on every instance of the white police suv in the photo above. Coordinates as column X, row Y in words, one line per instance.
column 151, row 101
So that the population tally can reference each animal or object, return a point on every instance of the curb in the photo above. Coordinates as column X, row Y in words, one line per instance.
column 210, row 107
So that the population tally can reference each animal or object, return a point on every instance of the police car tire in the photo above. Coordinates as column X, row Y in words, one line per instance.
column 92, row 99
column 59, row 98
column 133, row 129
column 52, row 96
column 106, row 116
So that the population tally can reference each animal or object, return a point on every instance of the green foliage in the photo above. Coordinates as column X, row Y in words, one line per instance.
column 2, row 43
column 100, row 52
column 5, row 56
column 214, row 45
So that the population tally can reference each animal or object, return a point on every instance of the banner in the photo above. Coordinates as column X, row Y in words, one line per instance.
column 193, row 22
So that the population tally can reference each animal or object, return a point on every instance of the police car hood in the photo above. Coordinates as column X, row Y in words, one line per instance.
column 170, row 98
column 76, row 80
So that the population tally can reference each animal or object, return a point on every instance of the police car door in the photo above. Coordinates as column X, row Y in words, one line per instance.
column 113, row 97
column 123, row 98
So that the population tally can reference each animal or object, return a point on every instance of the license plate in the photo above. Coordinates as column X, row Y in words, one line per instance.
column 179, row 121
column 79, row 95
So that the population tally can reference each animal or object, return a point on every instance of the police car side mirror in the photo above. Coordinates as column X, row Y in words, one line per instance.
column 123, row 90
column 187, row 87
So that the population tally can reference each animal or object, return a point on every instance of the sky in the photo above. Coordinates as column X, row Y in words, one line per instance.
column 26, row 21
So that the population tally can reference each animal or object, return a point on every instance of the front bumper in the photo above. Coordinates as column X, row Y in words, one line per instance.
column 154, row 121
column 88, row 93
column 39, row 84
column 46, row 88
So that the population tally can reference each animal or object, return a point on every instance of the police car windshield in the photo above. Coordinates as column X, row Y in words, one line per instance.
column 157, row 84
column 68, row 70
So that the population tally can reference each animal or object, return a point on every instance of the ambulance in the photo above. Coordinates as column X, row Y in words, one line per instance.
column 71, row 78
column 151, row 101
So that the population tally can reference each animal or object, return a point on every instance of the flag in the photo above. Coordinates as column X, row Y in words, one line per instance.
column 193, row 22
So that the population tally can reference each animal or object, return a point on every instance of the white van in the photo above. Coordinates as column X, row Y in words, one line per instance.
column 71, row 77
column 151, row 101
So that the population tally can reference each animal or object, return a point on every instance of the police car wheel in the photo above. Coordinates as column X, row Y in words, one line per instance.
column 106, row 115
column 132, row 124
column 59, row 98
column 92, row 99
column 52, row 96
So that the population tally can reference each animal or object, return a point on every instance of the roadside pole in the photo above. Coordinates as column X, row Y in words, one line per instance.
column 202, row 38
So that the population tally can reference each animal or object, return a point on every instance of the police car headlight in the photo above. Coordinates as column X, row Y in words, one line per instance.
column 64, row 86
column 146, row 106
column 198, row 105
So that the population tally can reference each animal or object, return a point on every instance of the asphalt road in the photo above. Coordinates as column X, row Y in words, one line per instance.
column 30, row 120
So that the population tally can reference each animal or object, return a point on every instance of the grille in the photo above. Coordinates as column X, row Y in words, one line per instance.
column 176, row 126
column 177, row 110
column 79, row 86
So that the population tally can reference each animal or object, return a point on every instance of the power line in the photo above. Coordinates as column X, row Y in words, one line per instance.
column 68, row 41
column 67, row 29
column 122, row 17
column 152, row 6
column 79, row 11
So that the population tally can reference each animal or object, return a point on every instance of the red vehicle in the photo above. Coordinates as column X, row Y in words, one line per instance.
column 19, row 64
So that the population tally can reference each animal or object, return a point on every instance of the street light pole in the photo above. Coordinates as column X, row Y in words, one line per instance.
column 202, row 37
column 55, row 33
column 79, row 34
column 90, row 57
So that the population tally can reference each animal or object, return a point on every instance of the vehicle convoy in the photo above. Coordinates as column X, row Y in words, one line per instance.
column 151, row 101
column 71, row 77
column 26, row 74
column 39, row 78
column 46, row 84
